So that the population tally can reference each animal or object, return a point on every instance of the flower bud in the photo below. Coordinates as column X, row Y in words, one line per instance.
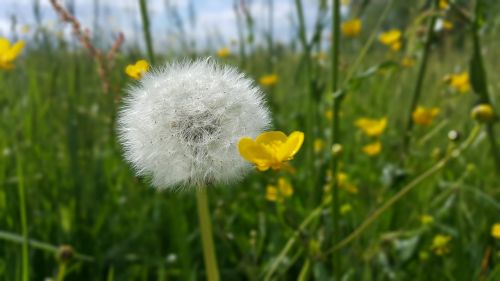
column 454, row 136
column 65, row 253
column 337, row 150
column 483, row 113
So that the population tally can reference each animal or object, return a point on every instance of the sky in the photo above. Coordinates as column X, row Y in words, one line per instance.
column 214, row 25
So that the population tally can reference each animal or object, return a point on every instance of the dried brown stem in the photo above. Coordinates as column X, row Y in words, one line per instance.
column 103, row 62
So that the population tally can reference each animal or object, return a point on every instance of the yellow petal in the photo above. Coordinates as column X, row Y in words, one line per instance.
column 253, row 152
column 4, row 45
column 291, row 146
column 270, row 137
column 142, row 65
column 131, row 71
column 13, row 52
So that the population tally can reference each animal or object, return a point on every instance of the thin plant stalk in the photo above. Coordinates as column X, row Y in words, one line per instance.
column 146, row 30
column 35, row 244
column 207, row 239
column 310, row 110
column 61, row 273
column 24, row 221
column 452, row 154
column 289, row 244
column 420, row 79
column 479, row 81
column 337, row 99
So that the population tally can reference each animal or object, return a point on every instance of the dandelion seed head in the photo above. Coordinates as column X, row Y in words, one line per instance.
column 180, row 124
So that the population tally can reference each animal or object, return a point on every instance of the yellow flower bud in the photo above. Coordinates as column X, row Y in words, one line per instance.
column 483, row 113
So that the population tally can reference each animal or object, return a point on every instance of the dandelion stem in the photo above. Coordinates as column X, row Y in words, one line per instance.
column 420, row 79
column 146, row 30
column 337, row 99
column 24, row 222
column 453, row 153
column 206, row 235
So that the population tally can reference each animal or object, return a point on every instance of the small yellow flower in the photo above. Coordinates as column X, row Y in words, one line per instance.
column 345, row 208
column 269, row 80
column 444, row 4
column 424, row 116
column 495, row 231
column 407, row 62
column 345, row 184
column 372, row 127
column 483, row 113
column 138, row 69
column 440, row 244
column 223, row 52
column 270, row 149
column 459, row 82
column 9, row 53
column 391, row 38
column 319, row 144
column 279, row 193
column 372, row 149
column 426, row 219
column 329, row 115
column 352, row 27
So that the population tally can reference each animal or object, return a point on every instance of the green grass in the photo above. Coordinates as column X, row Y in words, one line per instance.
column 58, row 144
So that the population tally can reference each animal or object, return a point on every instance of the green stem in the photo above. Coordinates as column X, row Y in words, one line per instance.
column 274, row 266
column 420, row 79
column 61, row 272
column 405, row 190
column 368, row 44
column 146, row 30
column 309, row 108
column 16, row 238
column 480, row 82
column 337, row 99
column 206, row 235
column 24, row 221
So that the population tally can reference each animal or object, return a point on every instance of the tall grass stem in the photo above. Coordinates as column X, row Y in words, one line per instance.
column 24, row 221
column 146, row 30
column 337, row 99
column 420, row 80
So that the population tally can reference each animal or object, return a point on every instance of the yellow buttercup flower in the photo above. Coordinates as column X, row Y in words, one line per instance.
column 342, row 181
column 269, row 80
column 424, row 116
column 483, row 113
column 9, row 53
column 372, row 149
column 459, row 82
column 426, row 219
column 270, row 149
column 495, row 231
column 138, row 69
column 407, row 62
column 391, row 38
column 372, row 127
column 280, row 192
column 440, row 244
column 223, row 52
column 352, row 27
column 444, row 4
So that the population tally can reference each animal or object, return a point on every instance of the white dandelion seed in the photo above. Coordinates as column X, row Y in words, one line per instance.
column 181, row 123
